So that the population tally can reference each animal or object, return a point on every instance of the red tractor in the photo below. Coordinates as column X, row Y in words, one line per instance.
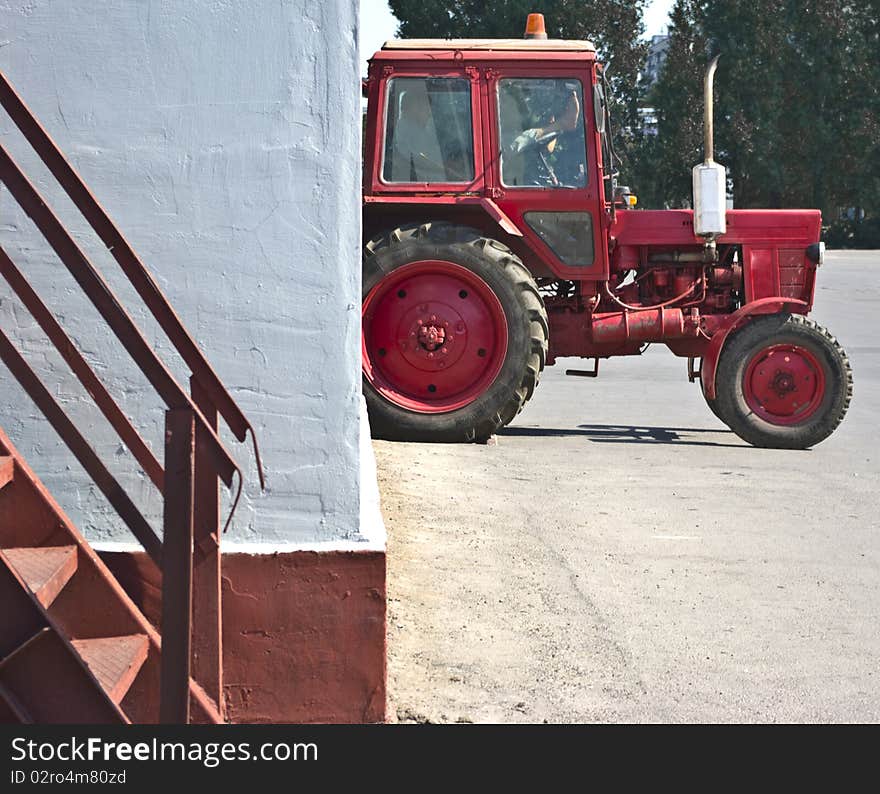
column 500, row 241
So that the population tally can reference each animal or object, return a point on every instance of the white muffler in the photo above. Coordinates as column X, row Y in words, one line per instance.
column 710, row 178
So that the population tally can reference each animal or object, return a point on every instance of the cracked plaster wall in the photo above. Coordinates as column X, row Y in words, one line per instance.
column 223, row 137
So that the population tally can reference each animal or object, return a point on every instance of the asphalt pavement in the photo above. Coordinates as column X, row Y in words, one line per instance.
column 619, row 555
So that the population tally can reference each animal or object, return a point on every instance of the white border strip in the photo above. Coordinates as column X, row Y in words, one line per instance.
column 372, row 529
column 251, row 548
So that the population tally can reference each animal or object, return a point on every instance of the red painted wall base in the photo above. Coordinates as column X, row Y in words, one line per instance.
column 303, row 632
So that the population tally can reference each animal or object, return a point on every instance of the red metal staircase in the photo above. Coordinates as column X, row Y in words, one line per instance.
column 74, row 648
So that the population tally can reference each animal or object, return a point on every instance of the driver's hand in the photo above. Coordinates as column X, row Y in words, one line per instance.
column 569, row 118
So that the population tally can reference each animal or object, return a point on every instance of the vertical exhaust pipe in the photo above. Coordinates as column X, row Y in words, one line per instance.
column 709, row 111
column 710, row 178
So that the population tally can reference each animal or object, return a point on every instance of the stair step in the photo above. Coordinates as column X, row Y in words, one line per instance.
column 45, row 570
column 7, row 467
column 44, row 680
column 14, row 709
column 114, row 661
column 31, row 642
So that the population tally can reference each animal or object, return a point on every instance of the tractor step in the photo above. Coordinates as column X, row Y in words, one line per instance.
column 114, row 661
column 585, row 373
column 44, row 571
column 7, row 467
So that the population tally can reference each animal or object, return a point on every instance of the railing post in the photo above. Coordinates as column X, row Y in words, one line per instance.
column 207, row 638
column 177, row 564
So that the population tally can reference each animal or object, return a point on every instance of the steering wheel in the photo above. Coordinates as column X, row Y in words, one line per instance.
column 548, row 178
column 547, row 137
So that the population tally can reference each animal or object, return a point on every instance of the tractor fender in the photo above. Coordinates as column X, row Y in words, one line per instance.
column 500, row 217
column 444, row 203
column 736, row 320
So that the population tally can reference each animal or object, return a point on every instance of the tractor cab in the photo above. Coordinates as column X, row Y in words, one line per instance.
column 505, row 124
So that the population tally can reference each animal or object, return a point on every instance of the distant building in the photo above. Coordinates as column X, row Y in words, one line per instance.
column 648, row 120
column 657, row 51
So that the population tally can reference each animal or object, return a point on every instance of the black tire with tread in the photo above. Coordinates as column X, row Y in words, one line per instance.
column 527, row 329
column 781, row 329
column 713, row 404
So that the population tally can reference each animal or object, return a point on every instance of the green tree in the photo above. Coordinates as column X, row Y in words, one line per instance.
column 661, row 167
column 796, row 103
column 614, row 26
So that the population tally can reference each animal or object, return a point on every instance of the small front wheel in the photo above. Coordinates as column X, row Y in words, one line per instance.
column 783, row 381
column 712, row 403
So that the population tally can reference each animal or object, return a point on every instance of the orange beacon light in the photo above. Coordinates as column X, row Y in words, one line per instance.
column 535, row 27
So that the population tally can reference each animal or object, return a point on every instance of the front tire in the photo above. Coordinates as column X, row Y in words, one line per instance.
column 783, row 381
column 713, row 404
column 454, row 334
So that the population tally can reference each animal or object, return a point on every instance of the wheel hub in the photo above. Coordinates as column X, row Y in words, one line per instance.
column 784, row 384
column 431, row 336
column 434, row 336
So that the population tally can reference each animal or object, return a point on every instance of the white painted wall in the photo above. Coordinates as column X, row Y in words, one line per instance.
column 223, row 136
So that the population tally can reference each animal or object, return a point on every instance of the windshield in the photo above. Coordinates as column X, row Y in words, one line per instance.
column 542, row 132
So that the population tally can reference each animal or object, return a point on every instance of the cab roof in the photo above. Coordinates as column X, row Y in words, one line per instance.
column 488, row 45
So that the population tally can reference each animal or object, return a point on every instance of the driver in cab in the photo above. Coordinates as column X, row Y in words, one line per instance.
column 536, row 144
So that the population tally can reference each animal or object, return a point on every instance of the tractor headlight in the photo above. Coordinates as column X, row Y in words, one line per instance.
column 816, row 253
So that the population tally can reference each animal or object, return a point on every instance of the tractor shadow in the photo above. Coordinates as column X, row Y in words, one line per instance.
column 627, row 434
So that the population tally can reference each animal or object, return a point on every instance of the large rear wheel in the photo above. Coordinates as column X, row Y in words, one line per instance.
column 454, row 334
column 783, row 381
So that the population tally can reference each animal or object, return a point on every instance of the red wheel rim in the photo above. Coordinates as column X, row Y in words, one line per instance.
column 434, row 336
column 784, row 384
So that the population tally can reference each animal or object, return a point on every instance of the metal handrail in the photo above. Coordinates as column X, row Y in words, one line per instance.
column 107, row 304
column 140, row 278
column 63, row 344
column 194, row 454
column 65, row 428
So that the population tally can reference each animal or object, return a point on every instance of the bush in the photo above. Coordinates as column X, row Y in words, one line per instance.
column 838, row 234
column 852, row 234
column 867, row 234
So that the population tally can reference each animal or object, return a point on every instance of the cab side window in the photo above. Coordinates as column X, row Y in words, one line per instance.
column 542, row 133
column 428, row 130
